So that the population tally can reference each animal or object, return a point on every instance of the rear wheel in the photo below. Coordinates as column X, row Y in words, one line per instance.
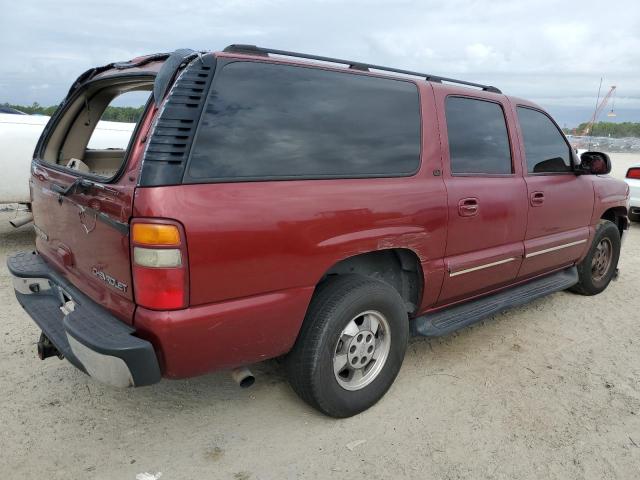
column 598, row 267
column 350, row 347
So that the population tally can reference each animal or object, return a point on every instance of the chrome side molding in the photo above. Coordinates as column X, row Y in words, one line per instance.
column 553, row 249
column 481, row 267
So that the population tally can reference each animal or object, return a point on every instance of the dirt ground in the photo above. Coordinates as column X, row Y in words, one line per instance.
column 550, row 390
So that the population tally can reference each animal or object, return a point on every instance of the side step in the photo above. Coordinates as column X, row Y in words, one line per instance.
column 451, row 319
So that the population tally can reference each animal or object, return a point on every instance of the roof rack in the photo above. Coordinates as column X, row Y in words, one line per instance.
column 254, row 50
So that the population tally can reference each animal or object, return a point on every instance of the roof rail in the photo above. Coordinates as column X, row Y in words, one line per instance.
column 254, row 50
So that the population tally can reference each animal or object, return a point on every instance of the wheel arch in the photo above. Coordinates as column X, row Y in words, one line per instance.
column 398, row 267
column 617, row 215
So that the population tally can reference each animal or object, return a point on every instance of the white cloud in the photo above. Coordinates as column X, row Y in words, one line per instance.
column 485, row 56
column 551, row 52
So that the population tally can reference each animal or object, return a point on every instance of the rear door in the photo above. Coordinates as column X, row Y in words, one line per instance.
column 486, row 194
column 82, row 197
column 560, row 203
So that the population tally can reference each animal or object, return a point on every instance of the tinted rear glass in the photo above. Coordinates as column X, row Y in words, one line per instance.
column 274, row 121
column 478, row 139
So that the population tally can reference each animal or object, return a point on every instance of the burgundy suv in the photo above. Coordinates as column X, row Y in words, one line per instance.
column 321, row 211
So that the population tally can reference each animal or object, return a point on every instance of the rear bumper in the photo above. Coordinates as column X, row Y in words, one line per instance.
column 86, row 334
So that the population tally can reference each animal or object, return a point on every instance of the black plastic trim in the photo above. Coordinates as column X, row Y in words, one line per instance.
column 45, row 312
column 121, row 227
column 168, row 72
column 450, row 319
column 93, row 72
column 154, row 57
column 168, row 147
column 89, row 323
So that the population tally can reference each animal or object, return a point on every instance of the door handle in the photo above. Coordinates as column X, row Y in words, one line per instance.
column 537, row 199
column 468, row 207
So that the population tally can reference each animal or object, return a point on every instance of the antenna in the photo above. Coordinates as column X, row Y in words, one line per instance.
column 595, row 114
column 613, row 104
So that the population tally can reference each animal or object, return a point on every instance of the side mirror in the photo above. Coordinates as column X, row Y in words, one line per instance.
column 594, row 163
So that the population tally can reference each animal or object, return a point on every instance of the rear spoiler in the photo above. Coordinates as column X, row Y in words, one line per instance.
column 172, row 63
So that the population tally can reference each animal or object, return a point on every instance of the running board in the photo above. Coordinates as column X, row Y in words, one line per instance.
column 451, row 319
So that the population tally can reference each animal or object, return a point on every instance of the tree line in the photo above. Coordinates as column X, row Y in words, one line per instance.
column 111, row 114
column 609, row 129
column 133, row 114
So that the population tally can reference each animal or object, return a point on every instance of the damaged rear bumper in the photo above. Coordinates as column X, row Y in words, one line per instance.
column 85, row 333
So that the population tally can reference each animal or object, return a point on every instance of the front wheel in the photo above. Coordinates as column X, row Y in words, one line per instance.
column 599, row 265
column 350, row 347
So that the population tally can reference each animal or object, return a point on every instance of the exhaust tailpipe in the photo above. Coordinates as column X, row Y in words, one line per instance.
column 20, row 221
column 243, row 377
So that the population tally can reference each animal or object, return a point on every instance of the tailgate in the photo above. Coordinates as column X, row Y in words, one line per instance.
column 84, row 235
column 83, row 182
column 85, row 173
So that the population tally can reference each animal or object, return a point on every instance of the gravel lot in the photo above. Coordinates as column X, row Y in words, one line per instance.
column 551, row 390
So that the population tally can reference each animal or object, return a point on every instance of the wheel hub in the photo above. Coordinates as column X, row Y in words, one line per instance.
column 601, row 260
column 361, row 350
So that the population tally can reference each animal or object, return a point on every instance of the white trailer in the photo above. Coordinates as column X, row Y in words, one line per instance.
column 18, row 137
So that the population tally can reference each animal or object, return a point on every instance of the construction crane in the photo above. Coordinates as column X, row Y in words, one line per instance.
column 599, row 107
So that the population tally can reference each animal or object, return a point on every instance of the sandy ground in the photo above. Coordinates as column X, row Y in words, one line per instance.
column 551, row 390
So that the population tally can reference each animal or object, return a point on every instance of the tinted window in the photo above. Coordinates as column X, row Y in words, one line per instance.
column 266, row 120
column 478, row 140
column 544, row 146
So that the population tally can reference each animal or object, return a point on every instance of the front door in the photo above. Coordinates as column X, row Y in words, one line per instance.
column 486, row 197
column 560, row 202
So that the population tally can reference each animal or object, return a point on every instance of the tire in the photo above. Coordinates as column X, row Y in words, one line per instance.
column 634, row 217
column 337, row 307
column 595, row 272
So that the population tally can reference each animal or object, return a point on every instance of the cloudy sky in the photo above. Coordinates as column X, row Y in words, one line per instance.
column 553, row 52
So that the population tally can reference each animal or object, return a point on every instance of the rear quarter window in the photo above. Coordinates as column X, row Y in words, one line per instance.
column 270, row 121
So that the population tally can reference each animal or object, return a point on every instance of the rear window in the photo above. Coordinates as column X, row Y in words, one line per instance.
column 118, row 121
column 478, row 138
column 93, row 133
column 274, row 121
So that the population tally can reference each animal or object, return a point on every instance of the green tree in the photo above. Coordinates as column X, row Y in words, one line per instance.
column 614, row 130
column 111, row 114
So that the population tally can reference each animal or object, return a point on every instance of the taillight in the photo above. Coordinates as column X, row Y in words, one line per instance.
column 634, row 173
column 160, row 266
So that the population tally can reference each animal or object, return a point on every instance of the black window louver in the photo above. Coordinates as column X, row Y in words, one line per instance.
column 169, row 144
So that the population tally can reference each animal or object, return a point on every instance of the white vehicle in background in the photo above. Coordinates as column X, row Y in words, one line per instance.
column 19, row 134
column 633, row 180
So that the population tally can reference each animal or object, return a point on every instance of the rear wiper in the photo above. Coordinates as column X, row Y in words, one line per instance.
column 82, row 183
column 64, row 191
